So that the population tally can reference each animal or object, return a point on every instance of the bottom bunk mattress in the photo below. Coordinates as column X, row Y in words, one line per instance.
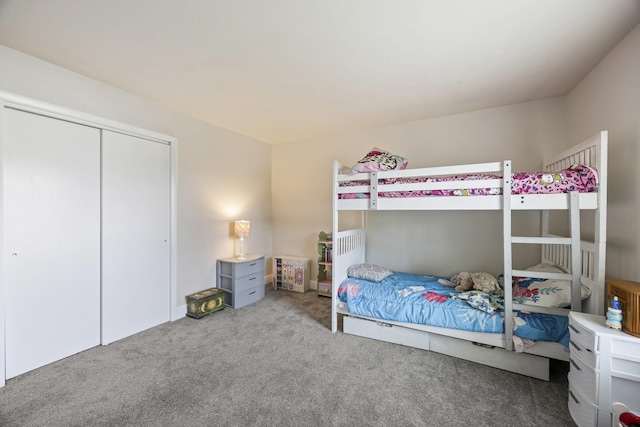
column 426, row 300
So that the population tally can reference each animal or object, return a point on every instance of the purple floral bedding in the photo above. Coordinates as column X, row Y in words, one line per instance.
column 579, row 178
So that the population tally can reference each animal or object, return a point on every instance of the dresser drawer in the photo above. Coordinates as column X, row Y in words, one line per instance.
column 249, row 282
column 247, row 268
column 580, row 351
column 625, row 358
column 248, row 296
column 585, row 379
column 583, row 344
column 583, row 336
column 238, row 268
column 583, row 412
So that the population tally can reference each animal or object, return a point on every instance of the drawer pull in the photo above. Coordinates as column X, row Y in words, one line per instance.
column 573, row 396
column 251, row 265
column 253, row 278
column 251, row 293
column 576, row 346
column 575, row 365
column 384, row 325
column 574, row 329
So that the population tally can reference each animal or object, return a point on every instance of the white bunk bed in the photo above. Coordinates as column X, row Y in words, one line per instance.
column 583, row 260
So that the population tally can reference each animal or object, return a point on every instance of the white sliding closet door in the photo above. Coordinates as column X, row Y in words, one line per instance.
column 52, row 240
column 136, row 197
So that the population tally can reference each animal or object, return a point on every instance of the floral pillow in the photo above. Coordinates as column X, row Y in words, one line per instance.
column 545, row 292
column 379, row 160
column 370, row 272
column 481, row 300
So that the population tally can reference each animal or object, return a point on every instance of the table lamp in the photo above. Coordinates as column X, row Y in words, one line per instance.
column 242, row 229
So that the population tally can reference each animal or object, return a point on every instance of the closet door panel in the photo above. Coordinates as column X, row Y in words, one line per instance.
column 52, row 240
column 135, row 235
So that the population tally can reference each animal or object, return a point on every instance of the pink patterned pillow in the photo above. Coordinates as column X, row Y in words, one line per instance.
column 379, row 160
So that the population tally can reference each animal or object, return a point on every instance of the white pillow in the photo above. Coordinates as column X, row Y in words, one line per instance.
column 371, row 272
column 379, row 160
column 545, row 292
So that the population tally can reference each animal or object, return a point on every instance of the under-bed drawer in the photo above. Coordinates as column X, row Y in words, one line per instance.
column 385, row 332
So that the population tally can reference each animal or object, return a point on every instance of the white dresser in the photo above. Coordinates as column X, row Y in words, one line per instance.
column 605, row 368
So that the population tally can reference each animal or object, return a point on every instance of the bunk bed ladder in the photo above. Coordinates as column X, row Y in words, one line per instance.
column 573, row 241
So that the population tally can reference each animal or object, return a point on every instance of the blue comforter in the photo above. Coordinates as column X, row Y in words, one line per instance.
column 421, row 299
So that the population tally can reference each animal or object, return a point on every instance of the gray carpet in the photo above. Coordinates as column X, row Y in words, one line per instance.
column 275, row 363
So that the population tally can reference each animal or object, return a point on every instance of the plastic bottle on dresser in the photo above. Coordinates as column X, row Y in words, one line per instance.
column 614, row 315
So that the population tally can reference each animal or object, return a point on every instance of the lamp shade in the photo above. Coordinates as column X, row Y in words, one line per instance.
column 242, row 228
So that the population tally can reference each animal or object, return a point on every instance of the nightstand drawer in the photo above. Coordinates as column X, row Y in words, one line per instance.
column 247, row 268
column 239, row 268
column 248, row 296
column 249, row 282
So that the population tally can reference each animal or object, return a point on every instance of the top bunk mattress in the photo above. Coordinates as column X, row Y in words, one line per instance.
column 580, row 178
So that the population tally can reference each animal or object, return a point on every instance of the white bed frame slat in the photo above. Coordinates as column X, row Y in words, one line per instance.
column 583, row 260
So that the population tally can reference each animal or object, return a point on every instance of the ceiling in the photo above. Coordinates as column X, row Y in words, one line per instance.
column 290, row 70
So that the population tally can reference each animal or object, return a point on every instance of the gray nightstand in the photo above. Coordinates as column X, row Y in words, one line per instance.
column 242, row 280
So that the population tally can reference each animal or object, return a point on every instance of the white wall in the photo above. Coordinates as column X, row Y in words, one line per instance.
column 608, row 98
column 218, row 181
column 434, row 242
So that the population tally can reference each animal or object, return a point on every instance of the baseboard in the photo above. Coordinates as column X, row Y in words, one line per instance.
column 181, row 311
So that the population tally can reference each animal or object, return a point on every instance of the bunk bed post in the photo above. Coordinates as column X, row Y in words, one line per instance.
column 334, row 230
column 600, row 235
column 576, row 271
column 507, row 256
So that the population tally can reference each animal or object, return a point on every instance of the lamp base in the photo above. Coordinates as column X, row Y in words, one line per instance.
column 241, row 254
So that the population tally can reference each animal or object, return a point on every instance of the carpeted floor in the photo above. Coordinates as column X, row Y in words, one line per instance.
column 275, row 363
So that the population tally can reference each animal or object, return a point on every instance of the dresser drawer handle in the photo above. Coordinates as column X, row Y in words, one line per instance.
column 575, row 365
column 253, row 278
column 574, row 397
column 575, row 345
column 574, row 329
column 251, row 293
column 251, row 265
